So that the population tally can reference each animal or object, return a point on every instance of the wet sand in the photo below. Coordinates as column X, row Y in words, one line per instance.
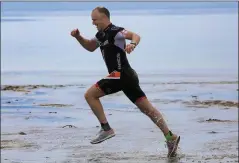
column 53, row 123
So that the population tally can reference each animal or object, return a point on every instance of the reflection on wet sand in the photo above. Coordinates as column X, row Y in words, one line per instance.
column 28, row 88
column 16, row 144
column 57, row 132
column 55, row 105
column 197, row 103
column 208, row 103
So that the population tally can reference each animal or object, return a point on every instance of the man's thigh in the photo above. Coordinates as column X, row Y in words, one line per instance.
column 130, row 85
column 109, row 86
column 134, row 93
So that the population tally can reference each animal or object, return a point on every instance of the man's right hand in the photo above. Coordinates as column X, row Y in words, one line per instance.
column 75, row 33
column 89, row 45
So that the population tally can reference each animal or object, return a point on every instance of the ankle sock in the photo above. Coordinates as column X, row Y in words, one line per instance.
column 105, row 126
column 169, row 136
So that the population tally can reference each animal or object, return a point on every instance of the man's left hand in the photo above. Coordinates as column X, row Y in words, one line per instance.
column 129, row 48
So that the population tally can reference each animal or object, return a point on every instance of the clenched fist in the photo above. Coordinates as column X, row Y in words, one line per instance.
column 129, row 48
column 75, row 33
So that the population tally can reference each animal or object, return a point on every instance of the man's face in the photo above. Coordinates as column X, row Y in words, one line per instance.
column 98, row 19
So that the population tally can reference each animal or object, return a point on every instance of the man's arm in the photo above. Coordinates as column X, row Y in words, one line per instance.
column 135, row 38
column 90, row 45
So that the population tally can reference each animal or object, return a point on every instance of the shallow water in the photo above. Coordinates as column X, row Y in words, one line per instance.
column 137, row 138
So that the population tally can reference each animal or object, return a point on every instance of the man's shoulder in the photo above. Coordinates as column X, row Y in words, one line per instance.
column 116, row 27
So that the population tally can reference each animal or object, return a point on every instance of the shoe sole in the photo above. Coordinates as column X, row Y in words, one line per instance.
column 101, row 140
column 175, row 147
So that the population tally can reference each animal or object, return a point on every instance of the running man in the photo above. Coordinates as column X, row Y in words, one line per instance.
column 122, row 77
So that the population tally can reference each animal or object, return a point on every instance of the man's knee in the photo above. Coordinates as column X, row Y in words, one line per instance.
column 93, row 93
column 88, row 95
column 143, row 104
column 146, row 108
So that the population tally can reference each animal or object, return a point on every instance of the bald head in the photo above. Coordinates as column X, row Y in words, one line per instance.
column 103, row 10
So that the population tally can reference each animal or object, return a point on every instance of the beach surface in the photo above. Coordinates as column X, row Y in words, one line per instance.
column 44, row 121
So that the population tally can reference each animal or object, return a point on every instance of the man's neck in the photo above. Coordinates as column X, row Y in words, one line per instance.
column 107, row 25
